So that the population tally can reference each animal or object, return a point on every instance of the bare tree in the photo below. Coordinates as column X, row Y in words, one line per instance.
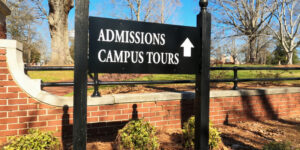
column 139, row 10
column 218, row 45
column 233, row 51
column 58, row 26
column 262, row 45
column 248, row 17
column 287, row 31
column 21, row 26
column 167, row 10
column 147, row 10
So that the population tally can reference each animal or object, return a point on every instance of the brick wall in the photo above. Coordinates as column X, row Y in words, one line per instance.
column 19, row 112
column 232, row 109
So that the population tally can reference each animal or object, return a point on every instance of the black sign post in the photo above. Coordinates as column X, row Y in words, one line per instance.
column 80, row 74
column 202, row 80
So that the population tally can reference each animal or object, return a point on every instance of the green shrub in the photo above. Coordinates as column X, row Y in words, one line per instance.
column 35, row 139
column 136, row 135
column 283, row 145
column 189, row 132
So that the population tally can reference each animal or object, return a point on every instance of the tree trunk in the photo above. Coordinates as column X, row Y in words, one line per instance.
column 290, row 57
column 28, row 56
column 252, row 51
column 58, row 24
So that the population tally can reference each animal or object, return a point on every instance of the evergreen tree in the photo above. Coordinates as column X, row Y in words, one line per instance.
column 280, row 56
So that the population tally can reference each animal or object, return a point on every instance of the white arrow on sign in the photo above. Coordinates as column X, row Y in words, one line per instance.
column 187, row 47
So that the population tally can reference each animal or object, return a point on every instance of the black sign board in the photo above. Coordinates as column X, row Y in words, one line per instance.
column 119, row 46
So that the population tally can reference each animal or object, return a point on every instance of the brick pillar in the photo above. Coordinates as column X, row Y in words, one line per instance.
column 4, row 11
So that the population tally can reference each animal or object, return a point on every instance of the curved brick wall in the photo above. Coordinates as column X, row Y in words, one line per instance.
column 19, row 111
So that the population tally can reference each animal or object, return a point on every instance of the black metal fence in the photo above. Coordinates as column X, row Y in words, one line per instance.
column 97, row 82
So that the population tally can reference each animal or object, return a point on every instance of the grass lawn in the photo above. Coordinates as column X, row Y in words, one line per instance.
column 51, row 76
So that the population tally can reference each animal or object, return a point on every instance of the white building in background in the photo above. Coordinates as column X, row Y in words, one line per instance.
column 225, row 59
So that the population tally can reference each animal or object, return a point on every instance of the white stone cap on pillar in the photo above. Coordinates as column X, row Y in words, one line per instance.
column 15, row 64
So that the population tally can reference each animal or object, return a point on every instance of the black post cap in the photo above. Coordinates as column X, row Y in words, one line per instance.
column 203, row 4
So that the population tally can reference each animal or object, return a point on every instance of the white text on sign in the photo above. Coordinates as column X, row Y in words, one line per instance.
column 137, row 57
column 133, row 37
